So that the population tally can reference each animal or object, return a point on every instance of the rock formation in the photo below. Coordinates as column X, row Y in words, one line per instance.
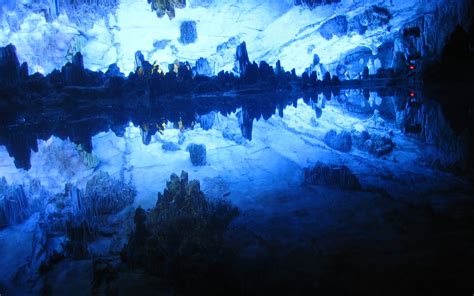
column 197, row 154
column 331, row 175
column 181, row 238
column 339, row 141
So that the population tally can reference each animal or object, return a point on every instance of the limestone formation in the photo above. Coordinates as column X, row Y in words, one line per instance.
column 331, row 175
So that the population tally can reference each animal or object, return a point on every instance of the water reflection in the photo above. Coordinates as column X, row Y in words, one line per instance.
column 416, row 115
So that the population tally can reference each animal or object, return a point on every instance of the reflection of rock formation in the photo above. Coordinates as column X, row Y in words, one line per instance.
column 76, row 103
column 425, row 121
column 246, row 123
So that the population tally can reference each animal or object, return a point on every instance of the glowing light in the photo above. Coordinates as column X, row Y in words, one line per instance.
column 412, row 67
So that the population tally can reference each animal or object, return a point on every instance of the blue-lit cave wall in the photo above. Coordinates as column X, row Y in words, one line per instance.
column 345, row 36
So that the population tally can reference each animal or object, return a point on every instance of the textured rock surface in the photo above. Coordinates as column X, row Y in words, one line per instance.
column 203, row 67
column 188, row 32
column 14, row 204
column 207, row 121
column 331, row 175
column 339, row 141
column 197, row 154
column 181, row 238
column 105, row 195
column 334, row 27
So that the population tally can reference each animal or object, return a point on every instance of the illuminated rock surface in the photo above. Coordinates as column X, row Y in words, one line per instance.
column 333, row 154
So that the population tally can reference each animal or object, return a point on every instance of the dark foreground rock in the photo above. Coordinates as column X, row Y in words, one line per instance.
column 331, row 175
column 181, row 238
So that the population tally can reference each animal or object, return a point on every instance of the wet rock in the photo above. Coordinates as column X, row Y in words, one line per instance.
column 331, row 175
column 188, row 32
column 336, row 26
column 197, row 154
column 341, row 142
column 170, row 146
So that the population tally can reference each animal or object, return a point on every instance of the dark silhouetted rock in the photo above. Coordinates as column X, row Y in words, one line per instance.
column 341, row 142
column 181, row 239
column 327, row 79
column 188, row 32
column 74, row 72
column 197, row 153
column 331, row 175
column 9, row 65
column 245, row 123
column 24, row 71
column 114, row 71
column 242, row 59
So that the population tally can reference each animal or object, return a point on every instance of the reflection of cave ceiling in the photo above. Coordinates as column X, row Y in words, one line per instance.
column 48, row 33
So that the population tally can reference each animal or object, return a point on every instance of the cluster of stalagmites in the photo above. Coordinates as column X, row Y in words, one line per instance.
column 18, row 202
column 181, row 238
column 70, row 221
column 73, row 80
